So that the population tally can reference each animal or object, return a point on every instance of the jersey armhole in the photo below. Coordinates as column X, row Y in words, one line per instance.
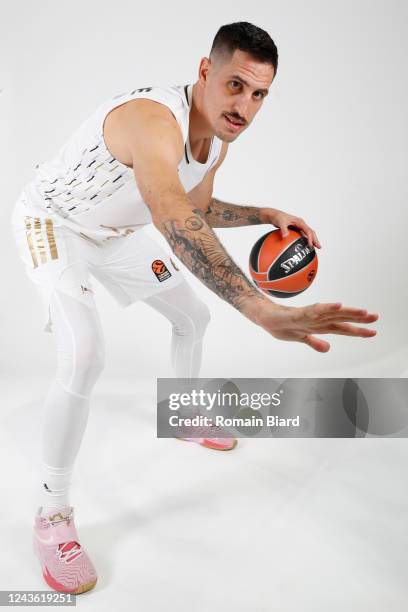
column 182, row 126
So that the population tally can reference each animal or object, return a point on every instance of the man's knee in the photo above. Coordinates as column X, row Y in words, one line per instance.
column 90, row 356
column 79, row 368
column 194, row 320
column 79, row 343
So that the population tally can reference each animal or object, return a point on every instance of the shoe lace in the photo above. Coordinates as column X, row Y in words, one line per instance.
column 67, row 551
column 53, row 521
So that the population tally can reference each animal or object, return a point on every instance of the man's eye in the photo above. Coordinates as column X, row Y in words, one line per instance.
column 236, row 84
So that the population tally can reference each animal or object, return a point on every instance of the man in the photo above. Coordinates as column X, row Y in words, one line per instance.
column 149, row 155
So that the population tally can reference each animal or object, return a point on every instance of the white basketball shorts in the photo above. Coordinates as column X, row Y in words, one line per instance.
column 131, row 267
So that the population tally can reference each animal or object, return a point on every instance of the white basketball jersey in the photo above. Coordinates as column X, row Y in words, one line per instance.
column 90, row 191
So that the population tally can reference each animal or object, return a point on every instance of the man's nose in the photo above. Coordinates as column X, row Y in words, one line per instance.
column 241, row 108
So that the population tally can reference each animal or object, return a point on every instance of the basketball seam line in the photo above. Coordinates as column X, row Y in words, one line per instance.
column 275, row 280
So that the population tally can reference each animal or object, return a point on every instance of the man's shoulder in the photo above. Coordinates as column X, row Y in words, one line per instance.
column 160, row 101
column 175, row 95
column 140, row 117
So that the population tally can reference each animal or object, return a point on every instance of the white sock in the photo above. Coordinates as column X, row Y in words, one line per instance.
column 55, row 489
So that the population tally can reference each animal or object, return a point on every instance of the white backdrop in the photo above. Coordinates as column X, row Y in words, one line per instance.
column 329, row 144
column 170, row 525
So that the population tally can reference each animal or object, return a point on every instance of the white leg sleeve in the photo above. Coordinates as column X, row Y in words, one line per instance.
column 189, row 317
column 80, row 357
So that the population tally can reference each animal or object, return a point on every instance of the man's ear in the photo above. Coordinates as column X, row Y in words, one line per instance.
column 205, row 66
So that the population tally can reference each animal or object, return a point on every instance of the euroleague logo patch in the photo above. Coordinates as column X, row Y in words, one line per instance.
column 160, row 269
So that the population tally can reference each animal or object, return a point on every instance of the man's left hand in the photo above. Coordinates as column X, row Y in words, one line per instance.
column 282, row 220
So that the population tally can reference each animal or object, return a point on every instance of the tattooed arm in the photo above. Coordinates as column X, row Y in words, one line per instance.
column 223, row 214
column 198, row 247
column 174, row 214
column 156, row 146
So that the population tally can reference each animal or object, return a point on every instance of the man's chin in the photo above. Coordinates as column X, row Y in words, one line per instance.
column 231, row 138
column 226, row 136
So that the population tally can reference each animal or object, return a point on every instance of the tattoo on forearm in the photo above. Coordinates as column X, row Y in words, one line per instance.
column 194, row 223
column 223, row 214
column 196, row 245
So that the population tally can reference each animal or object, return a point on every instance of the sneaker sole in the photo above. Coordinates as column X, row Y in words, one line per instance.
column 212, row 446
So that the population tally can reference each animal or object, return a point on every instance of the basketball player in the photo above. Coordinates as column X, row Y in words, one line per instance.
column 148, row 155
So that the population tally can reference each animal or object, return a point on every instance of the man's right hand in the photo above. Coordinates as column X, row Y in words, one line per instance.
column 300, row 324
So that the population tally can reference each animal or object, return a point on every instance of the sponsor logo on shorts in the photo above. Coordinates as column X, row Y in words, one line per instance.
column 160, row 269
column 42, row 246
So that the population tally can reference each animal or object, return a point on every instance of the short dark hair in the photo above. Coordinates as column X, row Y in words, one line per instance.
column 245, row 37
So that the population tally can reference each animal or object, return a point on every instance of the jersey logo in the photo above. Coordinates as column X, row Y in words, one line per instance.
column 160, row 269
column 141, row 89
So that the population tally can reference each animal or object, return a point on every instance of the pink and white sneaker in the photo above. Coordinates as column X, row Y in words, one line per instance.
column 65, row 565
column 207, row 436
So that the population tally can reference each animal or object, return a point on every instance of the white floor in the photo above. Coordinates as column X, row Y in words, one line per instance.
column 275, row 525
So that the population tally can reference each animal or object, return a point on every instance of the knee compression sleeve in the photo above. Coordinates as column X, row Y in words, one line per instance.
column 79, row 344
column 189, row 317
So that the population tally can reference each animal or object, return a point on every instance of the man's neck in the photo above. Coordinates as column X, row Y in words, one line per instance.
column 200, row 131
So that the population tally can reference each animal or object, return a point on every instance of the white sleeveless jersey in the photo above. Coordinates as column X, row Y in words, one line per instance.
column 94, row 194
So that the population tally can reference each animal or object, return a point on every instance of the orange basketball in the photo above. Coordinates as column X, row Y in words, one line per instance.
column 283, row 267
